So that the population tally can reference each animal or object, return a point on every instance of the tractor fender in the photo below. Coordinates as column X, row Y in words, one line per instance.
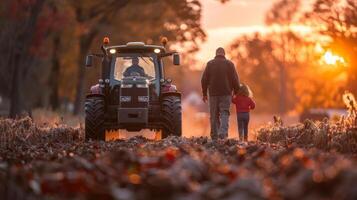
column 95, row 89
column 94, row 95
column 165, row 94
column 169, row 88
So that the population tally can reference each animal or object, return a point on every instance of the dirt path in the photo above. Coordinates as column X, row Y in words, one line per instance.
column 174, row 168
column 55, row 163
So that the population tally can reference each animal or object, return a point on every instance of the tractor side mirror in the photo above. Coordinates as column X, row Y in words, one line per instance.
column 89, row 60
column 176, row 58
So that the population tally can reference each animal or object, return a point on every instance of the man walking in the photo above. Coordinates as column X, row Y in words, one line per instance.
column 220, row 79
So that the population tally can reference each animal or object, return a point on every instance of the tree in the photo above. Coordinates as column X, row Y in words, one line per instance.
column 90, row 16
column 283, row 15
column 337, row 19
column 19, row 36
column 176, row 19
column 56, row 36
column 61, row 22
column 256, row 67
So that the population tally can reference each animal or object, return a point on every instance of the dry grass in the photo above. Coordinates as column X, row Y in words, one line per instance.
column 323, row 135
column 340, row 136
column 174, row 168
column 54, row 162
column 24, row 131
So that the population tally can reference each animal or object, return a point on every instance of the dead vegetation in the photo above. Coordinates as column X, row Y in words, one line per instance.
column 24, row 132
column 55, row 163
column 338, row 136
column 323, row 135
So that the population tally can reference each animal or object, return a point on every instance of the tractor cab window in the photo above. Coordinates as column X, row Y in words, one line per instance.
column 134, row 65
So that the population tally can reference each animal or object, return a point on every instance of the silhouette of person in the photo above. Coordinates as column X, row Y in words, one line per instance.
column 135, row 69
column 219, row 81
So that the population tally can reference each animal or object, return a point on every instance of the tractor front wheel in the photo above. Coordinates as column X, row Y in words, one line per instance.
column 171, row 116
column 94, row 118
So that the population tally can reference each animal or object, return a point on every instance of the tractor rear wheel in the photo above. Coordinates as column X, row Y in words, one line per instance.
column 171, row 116
column 94, row 118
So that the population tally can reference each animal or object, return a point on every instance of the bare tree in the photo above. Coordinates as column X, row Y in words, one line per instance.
column 283, row 15
column 21, row 33
column 91, row 16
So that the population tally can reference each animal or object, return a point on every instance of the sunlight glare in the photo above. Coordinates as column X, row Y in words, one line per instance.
column 332, row 59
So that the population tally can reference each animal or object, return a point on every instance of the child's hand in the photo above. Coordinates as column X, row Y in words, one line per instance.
column 233, row 98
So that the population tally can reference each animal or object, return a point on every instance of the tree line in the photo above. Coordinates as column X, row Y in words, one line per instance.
column 287, row 67
column 44, row 43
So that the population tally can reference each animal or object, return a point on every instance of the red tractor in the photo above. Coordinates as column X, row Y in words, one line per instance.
column 133, row 93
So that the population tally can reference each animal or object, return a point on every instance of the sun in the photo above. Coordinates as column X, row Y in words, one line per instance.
column 332, row 59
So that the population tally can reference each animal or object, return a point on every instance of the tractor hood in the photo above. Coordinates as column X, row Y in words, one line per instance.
column 135, row 81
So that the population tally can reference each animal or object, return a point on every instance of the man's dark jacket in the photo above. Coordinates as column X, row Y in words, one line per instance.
column 134, row 69
column 220, row 77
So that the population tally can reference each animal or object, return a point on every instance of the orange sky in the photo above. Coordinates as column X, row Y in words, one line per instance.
column 225, row 22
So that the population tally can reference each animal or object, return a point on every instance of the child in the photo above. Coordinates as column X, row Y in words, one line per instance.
column 244, row 103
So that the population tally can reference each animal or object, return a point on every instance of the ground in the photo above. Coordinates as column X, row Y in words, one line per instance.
column 54, row 162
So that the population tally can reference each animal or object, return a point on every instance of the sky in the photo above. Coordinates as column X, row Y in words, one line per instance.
column 225, row 22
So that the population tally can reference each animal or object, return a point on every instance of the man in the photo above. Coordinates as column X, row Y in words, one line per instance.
column 134, row 69
column 221, row 80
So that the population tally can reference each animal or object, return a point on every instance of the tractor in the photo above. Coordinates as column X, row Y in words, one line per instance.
column 132, row 92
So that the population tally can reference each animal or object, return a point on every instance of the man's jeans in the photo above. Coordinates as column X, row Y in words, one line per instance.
column 219, row 110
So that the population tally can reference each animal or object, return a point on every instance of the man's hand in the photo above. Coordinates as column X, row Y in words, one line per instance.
column 205, row 99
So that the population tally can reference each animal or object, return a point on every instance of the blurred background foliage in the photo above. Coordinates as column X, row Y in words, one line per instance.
column 44, row 43
column 306, row 59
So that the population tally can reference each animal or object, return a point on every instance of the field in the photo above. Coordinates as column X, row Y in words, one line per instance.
column 54, row 162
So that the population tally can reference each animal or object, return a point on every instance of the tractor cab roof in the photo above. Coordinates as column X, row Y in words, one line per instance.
column 137, row 47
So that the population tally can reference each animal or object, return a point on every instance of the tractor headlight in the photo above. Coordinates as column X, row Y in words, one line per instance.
column 112, row 51
column 125, row 98
column 126, row 85
column 143, row 99
column 142, row 86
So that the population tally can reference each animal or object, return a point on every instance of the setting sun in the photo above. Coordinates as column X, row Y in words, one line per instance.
column 332, row 59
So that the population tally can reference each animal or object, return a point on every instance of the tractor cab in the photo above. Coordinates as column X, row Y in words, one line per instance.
column 133, row 91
